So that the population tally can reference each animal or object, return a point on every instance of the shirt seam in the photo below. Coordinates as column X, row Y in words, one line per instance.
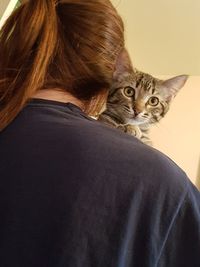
column 57, row 107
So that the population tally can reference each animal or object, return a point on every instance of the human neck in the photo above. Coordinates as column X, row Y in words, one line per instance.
column 58, row 95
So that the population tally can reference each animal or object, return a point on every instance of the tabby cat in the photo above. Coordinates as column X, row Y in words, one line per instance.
column 138, row 100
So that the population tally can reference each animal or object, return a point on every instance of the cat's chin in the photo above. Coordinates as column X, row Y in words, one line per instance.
column 136, row 121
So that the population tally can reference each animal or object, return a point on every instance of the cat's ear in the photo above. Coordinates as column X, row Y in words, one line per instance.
column 123, row 65
column 173, row 85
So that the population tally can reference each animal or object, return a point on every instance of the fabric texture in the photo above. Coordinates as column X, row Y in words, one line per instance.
column 77, row 193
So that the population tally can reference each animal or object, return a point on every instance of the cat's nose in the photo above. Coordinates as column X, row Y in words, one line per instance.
column 136, row 112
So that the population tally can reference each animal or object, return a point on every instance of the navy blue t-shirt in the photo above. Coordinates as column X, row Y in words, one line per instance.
column 77, row 193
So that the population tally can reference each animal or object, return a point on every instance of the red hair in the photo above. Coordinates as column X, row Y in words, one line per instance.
column 71, row 45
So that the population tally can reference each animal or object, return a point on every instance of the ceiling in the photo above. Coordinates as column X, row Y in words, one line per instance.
column 163, row 37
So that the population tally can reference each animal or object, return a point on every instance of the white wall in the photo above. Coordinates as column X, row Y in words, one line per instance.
column 163, row 37
column 178, row 134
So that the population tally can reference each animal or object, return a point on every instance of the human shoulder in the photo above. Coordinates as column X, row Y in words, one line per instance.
column 181, row 245
column 141, row 159
column 111, row 145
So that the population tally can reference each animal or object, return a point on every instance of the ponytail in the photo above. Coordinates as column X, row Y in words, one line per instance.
column 71, row 45
column 27, row 44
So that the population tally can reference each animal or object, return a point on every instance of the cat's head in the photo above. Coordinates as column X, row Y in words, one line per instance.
column 139, row 98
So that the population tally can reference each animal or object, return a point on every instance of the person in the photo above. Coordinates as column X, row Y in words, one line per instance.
column 75, row 192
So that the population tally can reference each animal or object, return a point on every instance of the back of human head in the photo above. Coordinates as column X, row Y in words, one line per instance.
column 71, row 44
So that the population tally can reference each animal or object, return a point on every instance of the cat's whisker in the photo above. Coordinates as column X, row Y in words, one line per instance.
column 145, row 116
column 127, row 110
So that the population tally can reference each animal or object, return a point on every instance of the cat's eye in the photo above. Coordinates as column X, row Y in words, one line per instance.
column 153, row 101
column 129, row 91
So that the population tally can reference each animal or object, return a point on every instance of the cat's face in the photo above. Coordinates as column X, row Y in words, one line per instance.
column 138, row 98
